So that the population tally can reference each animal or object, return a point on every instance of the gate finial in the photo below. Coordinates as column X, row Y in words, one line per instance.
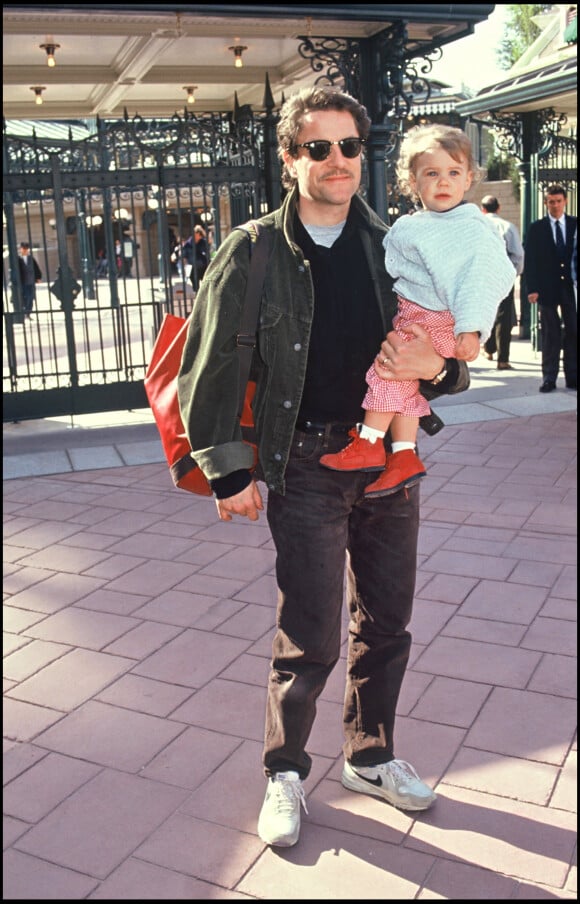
column 268, row 102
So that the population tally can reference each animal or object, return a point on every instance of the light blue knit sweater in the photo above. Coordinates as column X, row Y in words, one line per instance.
column 453, row 261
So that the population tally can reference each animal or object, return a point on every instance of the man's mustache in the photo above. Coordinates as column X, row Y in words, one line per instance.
column 337, row 173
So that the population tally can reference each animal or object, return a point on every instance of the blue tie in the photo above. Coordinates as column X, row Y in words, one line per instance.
column 560, row 246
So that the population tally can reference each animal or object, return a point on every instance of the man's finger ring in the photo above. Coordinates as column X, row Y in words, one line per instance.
column 386, row 361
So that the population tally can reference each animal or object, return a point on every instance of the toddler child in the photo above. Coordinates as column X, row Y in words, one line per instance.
column 451, row 273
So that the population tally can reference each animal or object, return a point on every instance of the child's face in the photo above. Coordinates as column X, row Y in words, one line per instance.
column 440, row 180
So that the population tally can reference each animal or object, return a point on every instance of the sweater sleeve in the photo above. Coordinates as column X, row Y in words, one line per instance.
column 484, row 276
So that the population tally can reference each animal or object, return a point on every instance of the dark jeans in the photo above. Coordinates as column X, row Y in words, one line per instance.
column 555, row 339
column 501, row 335
column 322, row 523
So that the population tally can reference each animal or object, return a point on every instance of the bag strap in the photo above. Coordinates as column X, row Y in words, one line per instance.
column 246, row 338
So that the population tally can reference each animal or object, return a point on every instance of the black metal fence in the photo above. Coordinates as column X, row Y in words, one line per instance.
column 103, row 217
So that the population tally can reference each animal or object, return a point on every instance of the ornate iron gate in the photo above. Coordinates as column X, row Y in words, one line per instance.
column 557, row 163
column 544, row 157
column 102, row 216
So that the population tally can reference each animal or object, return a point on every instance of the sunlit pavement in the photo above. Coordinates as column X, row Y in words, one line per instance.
column 136, row 648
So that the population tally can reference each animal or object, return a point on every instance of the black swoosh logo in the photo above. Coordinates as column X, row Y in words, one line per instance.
column 372, row 781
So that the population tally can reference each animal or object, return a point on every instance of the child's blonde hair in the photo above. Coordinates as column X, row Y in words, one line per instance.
column 422, row 138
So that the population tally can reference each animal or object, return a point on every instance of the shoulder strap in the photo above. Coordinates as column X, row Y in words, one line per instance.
column 246, row 338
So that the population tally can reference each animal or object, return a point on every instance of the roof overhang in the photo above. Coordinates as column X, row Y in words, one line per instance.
column 140, row 57
column 555, row 85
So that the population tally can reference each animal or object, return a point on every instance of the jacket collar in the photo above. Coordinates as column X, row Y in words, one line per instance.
column 358, row 207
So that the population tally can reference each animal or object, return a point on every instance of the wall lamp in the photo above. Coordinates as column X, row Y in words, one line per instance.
column 190, row 93
column 238, row 50
column 38, row 89
column 50, row 47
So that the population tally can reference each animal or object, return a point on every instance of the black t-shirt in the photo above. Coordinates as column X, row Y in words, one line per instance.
column 347, row 328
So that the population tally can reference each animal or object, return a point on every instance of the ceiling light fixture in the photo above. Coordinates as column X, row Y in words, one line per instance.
column 238, row 50
column 50, row 47
column 38, row 89
column 190, row 93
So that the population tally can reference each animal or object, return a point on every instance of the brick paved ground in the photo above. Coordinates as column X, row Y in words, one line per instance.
column 137, row 635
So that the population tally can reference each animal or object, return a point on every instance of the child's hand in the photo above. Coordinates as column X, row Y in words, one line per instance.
column 467, row 346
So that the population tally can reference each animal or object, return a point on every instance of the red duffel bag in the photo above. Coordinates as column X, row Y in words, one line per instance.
column 163, row 368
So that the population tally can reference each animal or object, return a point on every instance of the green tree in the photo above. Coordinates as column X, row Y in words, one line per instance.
column 520, row 31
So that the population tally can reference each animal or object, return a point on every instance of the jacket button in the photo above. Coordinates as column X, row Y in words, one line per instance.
column 287, row 404
column 277, row 457
column 297, row 346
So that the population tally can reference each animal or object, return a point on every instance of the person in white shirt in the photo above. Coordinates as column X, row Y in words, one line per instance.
column 451, row 272
column 506, row 318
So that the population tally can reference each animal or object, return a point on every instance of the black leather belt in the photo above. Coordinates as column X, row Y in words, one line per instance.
column 322, row 427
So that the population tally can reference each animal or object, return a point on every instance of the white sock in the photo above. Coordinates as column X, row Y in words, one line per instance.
column 371, row 434
column 400, row 447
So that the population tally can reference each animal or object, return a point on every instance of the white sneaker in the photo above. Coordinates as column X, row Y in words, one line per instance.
column 396, row 782
column 279, row 822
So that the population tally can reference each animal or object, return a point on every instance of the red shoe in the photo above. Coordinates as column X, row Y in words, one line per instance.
column 359, row 455
column 403, row 469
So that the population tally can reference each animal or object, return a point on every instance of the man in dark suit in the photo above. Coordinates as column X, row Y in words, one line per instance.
column 548, row 277
column 30, row 274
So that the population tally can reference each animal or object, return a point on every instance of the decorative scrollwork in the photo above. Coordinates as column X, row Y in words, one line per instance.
column 337, row 58
column 393, row 76
column 549, row 125
column 546, row 126
column 400, row 79
column 428, row 59
column 508, row 134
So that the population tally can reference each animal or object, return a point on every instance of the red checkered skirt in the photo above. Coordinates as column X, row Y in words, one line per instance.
column 403, row 396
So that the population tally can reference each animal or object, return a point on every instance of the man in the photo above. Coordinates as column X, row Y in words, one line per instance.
column 501, row 334
column 326, row 304
column 128, row 253
column 200, row 256
column 548, row 277
column 30, row 274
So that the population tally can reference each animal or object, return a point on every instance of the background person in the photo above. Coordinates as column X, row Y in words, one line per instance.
column 326, row 306
column 501, row 335
column 200, row 256
column 30, row 274
column 548, row 277
column 128, row 249
column 102, row 267
column 118, row 257
column 182, row 257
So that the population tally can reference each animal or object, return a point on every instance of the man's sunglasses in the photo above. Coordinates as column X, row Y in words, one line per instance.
column 320, row 150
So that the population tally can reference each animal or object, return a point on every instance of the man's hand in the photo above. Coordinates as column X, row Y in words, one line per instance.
column 413, row 359
column 533, row 297
column 248, row 503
